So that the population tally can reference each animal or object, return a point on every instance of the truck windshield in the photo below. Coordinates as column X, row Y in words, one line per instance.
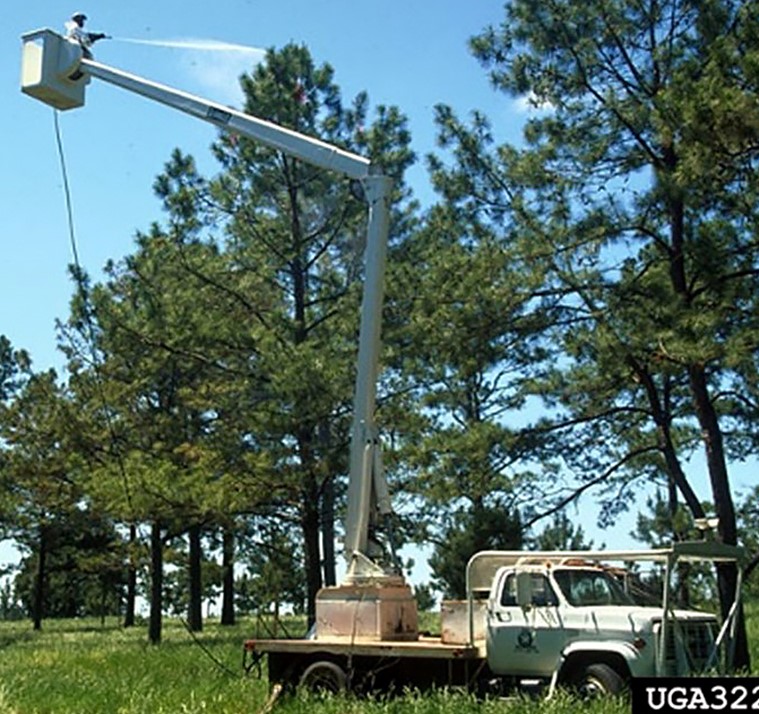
column 590, row 587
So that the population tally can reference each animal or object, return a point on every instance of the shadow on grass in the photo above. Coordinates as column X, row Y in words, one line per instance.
column 8, row 638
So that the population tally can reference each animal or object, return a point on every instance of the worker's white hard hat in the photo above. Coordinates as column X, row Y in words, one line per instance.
column 79, row 15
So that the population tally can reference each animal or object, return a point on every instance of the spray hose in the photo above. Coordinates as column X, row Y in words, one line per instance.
column 193, row 44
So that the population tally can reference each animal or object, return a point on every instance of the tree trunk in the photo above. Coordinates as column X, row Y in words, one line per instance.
column 195, row 609
column 39, row 582
column 131, row 584
column 309, row 516
column 310, row 526
column 156, row 584
column 328, row 531
column 658, row 400
column 228, row 576
column 727, row 573
column 103, row 600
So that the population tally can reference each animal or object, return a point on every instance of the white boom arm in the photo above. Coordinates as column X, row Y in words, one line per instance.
column 55, row 72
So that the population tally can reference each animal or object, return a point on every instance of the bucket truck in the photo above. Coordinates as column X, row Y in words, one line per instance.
column 539, row 618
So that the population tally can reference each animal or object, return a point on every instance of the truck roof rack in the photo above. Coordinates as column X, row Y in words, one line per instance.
column 482, row 566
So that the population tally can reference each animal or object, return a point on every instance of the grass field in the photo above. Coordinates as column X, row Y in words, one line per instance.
column 83, row 667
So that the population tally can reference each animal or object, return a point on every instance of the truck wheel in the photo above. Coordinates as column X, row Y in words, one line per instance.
column 597, row 680
column 324, row 676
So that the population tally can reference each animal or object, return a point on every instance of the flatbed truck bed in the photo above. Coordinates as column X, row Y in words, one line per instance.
column 343, row 663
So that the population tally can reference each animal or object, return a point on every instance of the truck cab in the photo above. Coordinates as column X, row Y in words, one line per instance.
column 571, row 621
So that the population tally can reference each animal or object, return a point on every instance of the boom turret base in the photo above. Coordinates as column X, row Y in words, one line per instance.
column 381, row 610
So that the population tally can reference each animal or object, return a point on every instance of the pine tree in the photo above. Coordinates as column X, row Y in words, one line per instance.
column 634, row 196
column 228, row 340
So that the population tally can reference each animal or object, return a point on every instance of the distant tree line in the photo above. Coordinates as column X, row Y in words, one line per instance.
column 577, row 314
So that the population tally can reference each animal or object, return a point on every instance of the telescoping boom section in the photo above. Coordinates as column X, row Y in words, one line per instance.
column 55, row 72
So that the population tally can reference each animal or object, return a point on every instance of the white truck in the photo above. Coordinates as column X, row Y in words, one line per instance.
column 529, row 618
column 531, row 621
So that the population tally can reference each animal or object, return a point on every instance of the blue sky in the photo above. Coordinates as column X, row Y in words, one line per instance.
column 412, row 54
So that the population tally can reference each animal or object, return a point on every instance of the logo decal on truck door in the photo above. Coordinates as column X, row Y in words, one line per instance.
column 525, row 641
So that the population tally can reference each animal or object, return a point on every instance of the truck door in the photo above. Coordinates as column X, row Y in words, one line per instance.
column 524, row 641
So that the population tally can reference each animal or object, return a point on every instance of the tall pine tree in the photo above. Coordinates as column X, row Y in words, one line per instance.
column 635, row 196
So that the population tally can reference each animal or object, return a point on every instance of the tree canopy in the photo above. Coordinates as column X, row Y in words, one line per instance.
column 634, row 194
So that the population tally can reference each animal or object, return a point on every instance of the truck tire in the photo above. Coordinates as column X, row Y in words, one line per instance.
column 597, row 680
column 324, row 676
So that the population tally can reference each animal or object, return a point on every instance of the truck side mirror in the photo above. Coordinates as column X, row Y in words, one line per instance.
column 524, row 589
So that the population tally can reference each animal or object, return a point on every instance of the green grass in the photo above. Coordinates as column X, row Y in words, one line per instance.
column 442, row 702
column 82, row 667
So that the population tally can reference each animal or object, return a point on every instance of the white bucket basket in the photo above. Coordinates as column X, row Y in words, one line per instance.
column 50, row 70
